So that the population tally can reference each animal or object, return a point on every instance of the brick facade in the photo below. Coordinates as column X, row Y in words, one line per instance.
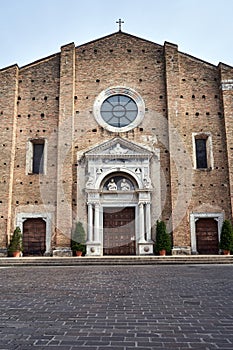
column 52, row 100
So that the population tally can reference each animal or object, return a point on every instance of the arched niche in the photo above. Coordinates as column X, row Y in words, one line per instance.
column 118, row 181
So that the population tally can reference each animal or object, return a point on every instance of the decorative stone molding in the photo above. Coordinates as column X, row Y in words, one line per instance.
column 227, row 84
column 110, row 148
column 118, row 150
column 118, row 155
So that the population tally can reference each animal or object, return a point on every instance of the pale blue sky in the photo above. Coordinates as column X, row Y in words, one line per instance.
column 33, row 29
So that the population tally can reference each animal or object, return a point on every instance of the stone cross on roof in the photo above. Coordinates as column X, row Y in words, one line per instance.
column 120, row 23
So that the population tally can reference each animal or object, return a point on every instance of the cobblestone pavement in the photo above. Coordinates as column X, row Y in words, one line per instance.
column 117, row 307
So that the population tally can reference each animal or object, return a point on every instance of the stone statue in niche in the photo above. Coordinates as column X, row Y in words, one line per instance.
column 112, row 185
column 125, row 186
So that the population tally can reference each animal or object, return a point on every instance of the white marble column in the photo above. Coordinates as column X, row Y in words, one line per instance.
column 90, row 223
column 148, row 222
column 194, row 237
column 141, row 223
column 97, row 223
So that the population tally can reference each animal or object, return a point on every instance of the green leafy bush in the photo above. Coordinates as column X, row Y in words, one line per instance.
column 16, row 241
column 78, row 239
column 226, row 238
column 163, row 239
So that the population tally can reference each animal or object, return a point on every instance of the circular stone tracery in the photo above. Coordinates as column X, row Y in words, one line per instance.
column 119, row 109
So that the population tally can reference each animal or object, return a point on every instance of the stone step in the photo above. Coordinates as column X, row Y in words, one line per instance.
column 116, row 260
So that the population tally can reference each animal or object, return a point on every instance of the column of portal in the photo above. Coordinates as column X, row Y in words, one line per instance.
column 90, row 223
column 148, row 222
column 141, row 223
column 97, row 223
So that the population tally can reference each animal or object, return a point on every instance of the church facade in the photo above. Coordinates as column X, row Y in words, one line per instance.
column 116, row 134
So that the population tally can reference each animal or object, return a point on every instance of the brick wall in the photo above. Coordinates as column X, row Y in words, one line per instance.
column 8, row 112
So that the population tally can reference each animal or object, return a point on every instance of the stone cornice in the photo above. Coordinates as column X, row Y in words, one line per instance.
column 227, row 84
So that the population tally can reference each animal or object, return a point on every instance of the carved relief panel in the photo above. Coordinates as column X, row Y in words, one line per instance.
column 107, row 162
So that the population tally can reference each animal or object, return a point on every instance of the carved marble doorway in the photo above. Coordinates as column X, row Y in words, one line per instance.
column 118, row 179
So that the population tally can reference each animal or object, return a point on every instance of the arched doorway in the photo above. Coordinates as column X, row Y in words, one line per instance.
column 207, row 236
column 34, row 237
column 119, row 226
column 118, row 190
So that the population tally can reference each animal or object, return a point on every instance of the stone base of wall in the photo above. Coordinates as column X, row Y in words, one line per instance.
column 181, row 251
column 3, row 252
column 94, row 249
column 49, row 253
column 62, row 252
column 145, row 248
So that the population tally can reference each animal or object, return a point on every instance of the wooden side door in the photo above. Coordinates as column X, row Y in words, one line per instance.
column 34, row 236
column 119, row 231
column 207, row 236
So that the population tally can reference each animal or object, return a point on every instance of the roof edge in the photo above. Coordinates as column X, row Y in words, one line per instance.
column 40, row 60
column 10, row 67
column 115, row 33
column 198, row 59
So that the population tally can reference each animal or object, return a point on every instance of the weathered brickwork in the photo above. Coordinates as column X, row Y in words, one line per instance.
column 51, row 101
column 8, row 100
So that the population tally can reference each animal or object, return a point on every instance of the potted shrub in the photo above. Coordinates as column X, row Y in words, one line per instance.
column 78, row 240
column 163, row 239
column 226, row 238
column 15, row 247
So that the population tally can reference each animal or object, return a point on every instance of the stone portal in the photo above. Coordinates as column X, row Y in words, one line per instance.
column 119, row 195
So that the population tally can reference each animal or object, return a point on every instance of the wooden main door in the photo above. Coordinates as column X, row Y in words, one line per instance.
column 34, row 235
column 119, row 231
column 207, row 236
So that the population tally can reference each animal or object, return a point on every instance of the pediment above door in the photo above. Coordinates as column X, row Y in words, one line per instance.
column 119, row 157
column 118, row 148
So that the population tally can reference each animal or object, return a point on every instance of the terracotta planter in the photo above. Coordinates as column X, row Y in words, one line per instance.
column 16, row 254
column 226, row 252
column 78, row 253
column 162, row 252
